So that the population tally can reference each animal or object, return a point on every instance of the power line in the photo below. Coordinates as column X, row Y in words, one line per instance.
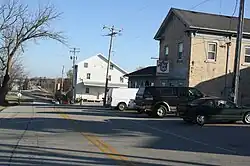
column 220, row 6
column 235, row 8
column 201, row 3
column 113, row 33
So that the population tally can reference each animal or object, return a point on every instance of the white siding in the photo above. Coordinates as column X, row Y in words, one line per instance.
column 97, row 68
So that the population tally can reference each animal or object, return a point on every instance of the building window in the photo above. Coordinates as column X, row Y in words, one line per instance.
column 212, row 51
column 121, row 79
column 166, row 51
column 88, row 76
column 111, row 67
column 180, row 51
column 109, row 78
column 87, row 90
column 86, row 65
column 247, row 54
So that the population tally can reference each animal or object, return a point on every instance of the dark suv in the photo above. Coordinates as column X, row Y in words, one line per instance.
column 158, row 101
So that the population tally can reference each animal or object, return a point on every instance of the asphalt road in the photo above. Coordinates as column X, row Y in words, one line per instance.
column 44, row 135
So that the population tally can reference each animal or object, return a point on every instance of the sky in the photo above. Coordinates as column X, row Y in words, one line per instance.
column 82, row 22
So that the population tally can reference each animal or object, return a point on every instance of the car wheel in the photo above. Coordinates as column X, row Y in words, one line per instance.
column 160, row 111
column 150, row 113
column 121, row 106
column 200, row 120
column 246, row 118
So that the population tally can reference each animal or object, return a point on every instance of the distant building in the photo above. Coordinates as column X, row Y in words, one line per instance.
column 91, row 76
column 142, row 77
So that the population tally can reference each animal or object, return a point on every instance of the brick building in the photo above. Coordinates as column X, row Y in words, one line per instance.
column 194, row 46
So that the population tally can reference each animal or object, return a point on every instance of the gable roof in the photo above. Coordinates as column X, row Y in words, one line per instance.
column 102, row 57
column 205, row 21
column 111, row 62
column 147, row 71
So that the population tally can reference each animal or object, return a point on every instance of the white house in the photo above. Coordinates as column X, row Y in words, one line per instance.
column 91, row 77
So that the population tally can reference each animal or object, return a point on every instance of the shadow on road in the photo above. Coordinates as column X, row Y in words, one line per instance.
column 55, row 156
column 169, row 134
column 61, row 106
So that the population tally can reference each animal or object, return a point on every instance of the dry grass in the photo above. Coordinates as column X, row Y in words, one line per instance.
column 1, row 108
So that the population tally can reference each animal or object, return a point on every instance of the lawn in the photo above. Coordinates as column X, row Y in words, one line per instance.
column 1, row 108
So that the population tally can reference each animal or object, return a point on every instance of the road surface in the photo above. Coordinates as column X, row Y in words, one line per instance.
column 44, row 135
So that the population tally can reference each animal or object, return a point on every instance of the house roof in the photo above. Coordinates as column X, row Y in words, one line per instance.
column 111, row 62
column 102, row 57
column 147, row 71
column 205, row 21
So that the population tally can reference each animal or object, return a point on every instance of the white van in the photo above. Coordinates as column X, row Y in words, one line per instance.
column 119, row 97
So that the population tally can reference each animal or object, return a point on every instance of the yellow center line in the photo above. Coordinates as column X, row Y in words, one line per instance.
column 101, row 145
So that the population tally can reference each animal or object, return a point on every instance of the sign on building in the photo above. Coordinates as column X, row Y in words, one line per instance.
column 162, row 67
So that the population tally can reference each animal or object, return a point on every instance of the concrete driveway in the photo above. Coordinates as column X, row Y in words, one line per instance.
column 46, row 135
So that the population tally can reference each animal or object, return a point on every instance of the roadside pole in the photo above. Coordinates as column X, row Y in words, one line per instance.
column 236, row 79
column 113, row 33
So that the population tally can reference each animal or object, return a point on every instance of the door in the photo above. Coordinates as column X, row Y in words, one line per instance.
column 228, row 110
column 183, row 95
column 139, row 96
column 169, row 95
column 209, row 109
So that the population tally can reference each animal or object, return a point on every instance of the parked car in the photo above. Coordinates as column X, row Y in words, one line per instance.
column 119, row 98
column 158, row 101
column 213, row 109
column 131, row 104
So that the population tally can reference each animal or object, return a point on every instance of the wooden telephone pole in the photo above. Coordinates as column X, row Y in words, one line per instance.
column 113, row 33
column 62, row 79
column 74, row 58
column 236, row 79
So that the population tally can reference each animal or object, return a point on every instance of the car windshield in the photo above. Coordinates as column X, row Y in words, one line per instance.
column 140, row 91
column 195, row 92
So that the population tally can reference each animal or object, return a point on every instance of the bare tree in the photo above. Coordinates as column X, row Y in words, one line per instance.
column 70, row 74
column 17, row 73
column 17, row 27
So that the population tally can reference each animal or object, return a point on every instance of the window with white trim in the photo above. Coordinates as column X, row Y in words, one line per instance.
column 87, row 90
column 121, row 79
column 88, row 76
column 166, row 51
column 86, row 65
column 212, row 51
column 180, row 51
column 247, row 54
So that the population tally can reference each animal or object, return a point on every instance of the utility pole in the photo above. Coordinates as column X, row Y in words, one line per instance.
column 236, row 79
column 74, row 58
column 55, row 86
column 228, row 43
column 62, row 78
column 113, row 33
